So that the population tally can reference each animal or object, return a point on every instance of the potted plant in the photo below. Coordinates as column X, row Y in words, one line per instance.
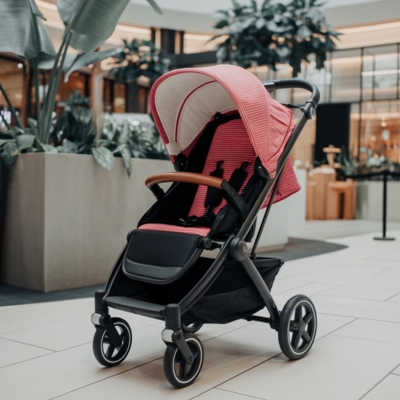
column 274, row 33
column 65, row 217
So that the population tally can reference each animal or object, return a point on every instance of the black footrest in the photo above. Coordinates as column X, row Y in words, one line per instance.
column 136, row 306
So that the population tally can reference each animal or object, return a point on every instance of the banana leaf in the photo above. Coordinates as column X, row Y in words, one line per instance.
column 91, row 21
column 15, row 26
column 22, row 31
column 73, row 62
column 83, row 60
column 42, row 47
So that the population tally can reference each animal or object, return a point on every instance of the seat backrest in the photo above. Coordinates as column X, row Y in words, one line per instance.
column 231, row 144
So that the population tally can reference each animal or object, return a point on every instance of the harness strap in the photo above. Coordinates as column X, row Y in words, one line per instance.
column 215, row 196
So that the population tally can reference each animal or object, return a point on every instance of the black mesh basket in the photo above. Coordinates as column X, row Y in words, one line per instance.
column 233, row 295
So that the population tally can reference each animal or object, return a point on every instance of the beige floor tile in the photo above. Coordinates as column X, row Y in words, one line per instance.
column 59, row 335
column 218, row 394
column 61, row 372
column 13, row 352
column 393, row 272
column 368, row 309
column 388, row 389
column 337, row 368
column 377, row 331
column 283, row 285
column 397, row 371
column 32, row 315
column 309, row 290
column 394, row 299
column 340, row 275
column 70, row 332
column 362, row 292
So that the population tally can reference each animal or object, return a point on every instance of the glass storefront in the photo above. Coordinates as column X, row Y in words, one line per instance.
column 367, row 78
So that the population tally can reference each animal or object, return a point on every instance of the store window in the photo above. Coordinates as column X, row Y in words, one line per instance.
column 12, row 79
column 346, row 75
column 380, row 130
column 380, row 75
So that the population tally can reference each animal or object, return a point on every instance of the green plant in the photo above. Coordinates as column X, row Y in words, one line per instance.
column 138, row 59
column 88, row 23
column 74, row 132
column 274, row 33
column 135, row 137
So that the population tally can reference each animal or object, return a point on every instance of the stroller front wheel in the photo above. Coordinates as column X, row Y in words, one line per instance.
column 105, row 351
column 297, row 327
column 177, row 371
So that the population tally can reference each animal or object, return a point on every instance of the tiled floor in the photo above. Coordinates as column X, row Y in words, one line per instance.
column 45, row 348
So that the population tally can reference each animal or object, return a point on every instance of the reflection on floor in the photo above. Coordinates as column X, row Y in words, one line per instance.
column 46, row 348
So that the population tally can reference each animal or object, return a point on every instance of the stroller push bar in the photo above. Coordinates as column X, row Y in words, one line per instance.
column 271, row 86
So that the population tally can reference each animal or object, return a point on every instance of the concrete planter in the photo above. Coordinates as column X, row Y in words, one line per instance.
column 67, row 218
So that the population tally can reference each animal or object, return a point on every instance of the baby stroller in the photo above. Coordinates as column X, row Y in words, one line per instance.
column 229, row 142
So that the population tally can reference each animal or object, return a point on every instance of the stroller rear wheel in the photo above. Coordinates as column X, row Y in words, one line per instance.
column 297, row 327
column 105, row 351
column 177, row 371
column 191, row 328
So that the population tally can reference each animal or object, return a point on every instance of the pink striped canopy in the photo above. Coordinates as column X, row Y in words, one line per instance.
column 184, row 101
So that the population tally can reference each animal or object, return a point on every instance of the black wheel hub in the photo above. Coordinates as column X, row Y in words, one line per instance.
column 302, row 327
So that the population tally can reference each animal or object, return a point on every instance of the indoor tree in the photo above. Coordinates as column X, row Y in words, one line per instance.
column 274, row 33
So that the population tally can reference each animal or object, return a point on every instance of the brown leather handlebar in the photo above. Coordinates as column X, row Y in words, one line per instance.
column 186, row 177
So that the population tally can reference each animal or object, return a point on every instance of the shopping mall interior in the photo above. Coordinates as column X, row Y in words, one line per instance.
column 264, row 261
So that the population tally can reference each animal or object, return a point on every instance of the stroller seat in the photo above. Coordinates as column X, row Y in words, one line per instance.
column 161, row 252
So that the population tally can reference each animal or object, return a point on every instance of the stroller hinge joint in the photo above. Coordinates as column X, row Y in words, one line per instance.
column 238, row 249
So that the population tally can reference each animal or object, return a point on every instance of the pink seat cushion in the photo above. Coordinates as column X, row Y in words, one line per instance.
column 196, row 230
column 231, row 144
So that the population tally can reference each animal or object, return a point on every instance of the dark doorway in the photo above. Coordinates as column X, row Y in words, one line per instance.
column 333, row 127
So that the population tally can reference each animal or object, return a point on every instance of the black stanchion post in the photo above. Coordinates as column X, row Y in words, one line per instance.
column 384, row 217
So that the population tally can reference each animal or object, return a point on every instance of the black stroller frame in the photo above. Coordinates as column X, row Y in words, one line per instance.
column 186, row 349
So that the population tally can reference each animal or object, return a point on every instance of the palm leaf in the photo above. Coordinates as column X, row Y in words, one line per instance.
column 15, row 26
column 91, row 22
column 39, row 45
column 83, row 60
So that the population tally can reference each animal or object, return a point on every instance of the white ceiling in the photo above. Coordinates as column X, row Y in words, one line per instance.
column 209, row 6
